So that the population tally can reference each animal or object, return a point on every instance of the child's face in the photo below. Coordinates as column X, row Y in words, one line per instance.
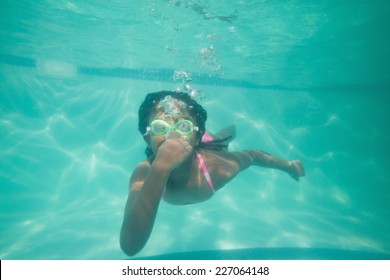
column 160, row 112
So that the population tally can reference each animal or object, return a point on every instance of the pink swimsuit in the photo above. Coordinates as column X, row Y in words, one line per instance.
column 205, row 173
column 206, row 138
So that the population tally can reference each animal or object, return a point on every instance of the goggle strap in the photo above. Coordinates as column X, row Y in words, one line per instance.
column 147, row 131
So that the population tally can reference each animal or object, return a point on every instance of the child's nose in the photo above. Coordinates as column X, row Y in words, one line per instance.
column 175, row 134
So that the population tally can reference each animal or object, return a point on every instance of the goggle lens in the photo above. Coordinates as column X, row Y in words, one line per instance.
column 184, row 127
column 159, row 127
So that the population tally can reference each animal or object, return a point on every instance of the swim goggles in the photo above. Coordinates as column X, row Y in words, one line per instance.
column 161, row 127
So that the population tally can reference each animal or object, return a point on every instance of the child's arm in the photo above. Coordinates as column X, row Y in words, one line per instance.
column 147, row 184
column 228, row 165
column 294, row 168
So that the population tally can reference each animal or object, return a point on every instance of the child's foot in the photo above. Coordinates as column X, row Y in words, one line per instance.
column 296, row 169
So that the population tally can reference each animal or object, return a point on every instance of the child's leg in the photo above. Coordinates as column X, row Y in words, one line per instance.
column 225, row 135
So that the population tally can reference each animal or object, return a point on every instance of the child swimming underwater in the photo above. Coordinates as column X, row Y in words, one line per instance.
column 184, row 164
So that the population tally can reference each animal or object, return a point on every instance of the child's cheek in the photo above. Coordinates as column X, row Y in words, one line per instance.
column 192, row 141
column 156, row 143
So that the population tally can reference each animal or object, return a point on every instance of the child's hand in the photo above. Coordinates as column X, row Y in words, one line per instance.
column 296, row 169
column 174, row 151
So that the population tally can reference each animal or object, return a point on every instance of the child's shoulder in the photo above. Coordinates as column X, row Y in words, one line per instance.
column 142, row 168
column 138, row 175
column 145, row 164
column 211, row 153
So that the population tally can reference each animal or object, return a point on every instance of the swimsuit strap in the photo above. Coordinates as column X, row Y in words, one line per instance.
column 205, row 171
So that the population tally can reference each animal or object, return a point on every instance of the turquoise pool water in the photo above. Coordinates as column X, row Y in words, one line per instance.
column 305, row 80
